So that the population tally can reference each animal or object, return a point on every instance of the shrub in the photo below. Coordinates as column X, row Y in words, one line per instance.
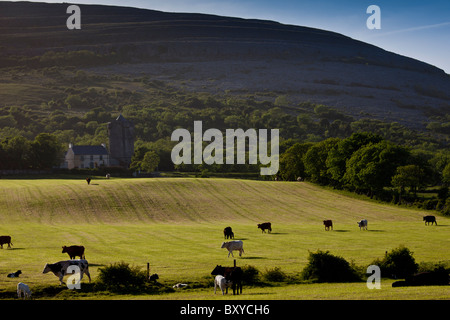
column 121, row 278
column 325, row 267
column 250, row 274
column 274, row 275
column 399, row 263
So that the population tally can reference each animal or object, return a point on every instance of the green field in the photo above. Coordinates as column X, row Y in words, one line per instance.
column 176, row 224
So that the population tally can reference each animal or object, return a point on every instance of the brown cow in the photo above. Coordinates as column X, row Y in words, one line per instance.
column 328, row 224
column 74, row 251
column 5, row 240
column 264, row 226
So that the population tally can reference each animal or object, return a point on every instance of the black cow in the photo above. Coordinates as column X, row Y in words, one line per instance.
column 88, row 180
column 5, row 240
column 14, row 274
column 328, row 224
column 429, row 219
column 265, row 226
column 228, row 233
column 233, row 274
column 74, row 251
column 153, row 277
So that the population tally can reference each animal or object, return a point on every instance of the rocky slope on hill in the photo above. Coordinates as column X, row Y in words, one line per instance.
column 225, row 55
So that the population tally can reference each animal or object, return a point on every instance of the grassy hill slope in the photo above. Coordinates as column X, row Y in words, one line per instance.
column 181, row 200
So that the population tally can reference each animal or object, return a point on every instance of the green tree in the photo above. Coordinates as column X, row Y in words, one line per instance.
column 371, row 167
column 409, row 176
column 342, row 152
column 74, row 101
column 46, row 151
column 446, row 174
column 150, row 161
column 315, row 160
column 291, row 161
column 144, row 159
column 15, row 153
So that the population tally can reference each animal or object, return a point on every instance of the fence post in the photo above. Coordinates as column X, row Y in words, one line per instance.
column 148, row 270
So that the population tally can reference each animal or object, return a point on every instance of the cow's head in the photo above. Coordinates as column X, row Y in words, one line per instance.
column 224, row 244
column 217, row 270
column 64, row 249
column 46, row 268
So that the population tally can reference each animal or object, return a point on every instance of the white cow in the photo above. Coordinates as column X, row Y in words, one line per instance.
column 362, row 224
column 222, row 283
column 59, row 269
column 236, row 245
column 23, row 288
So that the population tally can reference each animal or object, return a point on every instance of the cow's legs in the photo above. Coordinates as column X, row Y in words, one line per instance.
column 89, row 275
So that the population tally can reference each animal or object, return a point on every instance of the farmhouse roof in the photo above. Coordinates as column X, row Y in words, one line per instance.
column 88, row 150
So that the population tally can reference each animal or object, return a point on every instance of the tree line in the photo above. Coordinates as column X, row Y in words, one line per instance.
column 20, row 153
column 366, row 163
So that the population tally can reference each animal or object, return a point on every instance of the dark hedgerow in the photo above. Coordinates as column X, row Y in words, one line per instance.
column 325, row 267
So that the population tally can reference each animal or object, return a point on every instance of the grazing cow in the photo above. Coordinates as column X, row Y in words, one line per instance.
column 233, row 274
column 74, row 251
column 429, row 219
column 328, row 224
column 88, row 180
column 362, row 224
column 236, row 245
column 264, row 226
column 222, row 283
column 153, row 277
column 23, row 288
column 180, row 285
column 14, row 274
column 5, row 240
column 228, row 233
column 59, row 269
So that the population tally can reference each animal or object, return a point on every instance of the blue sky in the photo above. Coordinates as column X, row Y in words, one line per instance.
column 418, row 29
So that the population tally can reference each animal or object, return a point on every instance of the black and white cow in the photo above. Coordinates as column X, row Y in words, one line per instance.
column 59, row 269
column 362, row 224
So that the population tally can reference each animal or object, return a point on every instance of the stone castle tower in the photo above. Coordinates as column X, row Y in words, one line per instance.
column 121, row 141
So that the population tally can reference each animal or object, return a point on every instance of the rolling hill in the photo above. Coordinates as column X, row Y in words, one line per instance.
column 219, row 55
column 184, row 200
